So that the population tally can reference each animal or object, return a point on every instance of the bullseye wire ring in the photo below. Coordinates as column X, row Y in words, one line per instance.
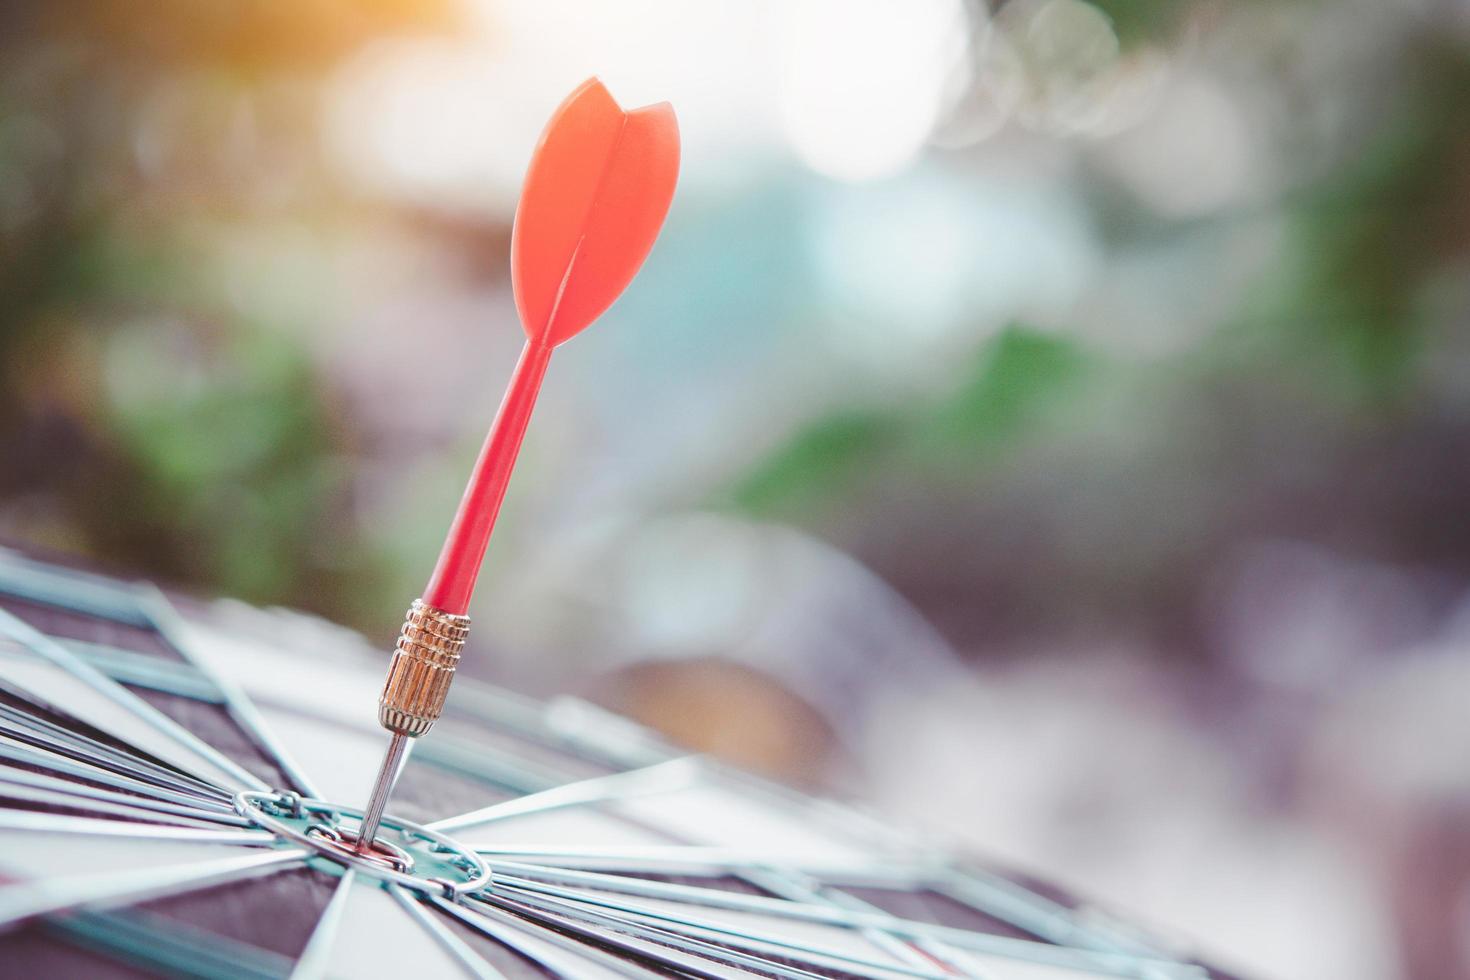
column 439, row 852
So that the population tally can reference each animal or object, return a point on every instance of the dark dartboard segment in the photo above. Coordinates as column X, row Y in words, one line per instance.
column 66, row 624
column 936, row 909
column 275, row 912
column 44, row 951
column 503, row 958
column 213, row 724
column 537, row 756
column 426, row 792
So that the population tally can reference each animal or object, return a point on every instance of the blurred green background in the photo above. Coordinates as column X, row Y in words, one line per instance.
column 1072, row 394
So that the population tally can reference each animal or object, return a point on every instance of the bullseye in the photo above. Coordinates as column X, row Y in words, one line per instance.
column 404, row 852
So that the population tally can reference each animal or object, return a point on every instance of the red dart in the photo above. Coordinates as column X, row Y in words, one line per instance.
column 595, row 196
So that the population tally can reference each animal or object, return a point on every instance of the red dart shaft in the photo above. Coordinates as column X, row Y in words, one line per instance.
column 453, row 581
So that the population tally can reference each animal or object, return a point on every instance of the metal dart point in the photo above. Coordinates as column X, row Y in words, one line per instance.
column 414, row 691
column 382, row 788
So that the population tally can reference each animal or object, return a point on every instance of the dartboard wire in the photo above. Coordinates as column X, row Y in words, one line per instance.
column 31, row 820
column 64, row 588
column 989, row 894
column 560, row 954
column 618, row 788
column 661, row 777
column 896, row 936
column 1035, row 913
column 567, row 723
column 33, row 788
column 1124, row 964
column 1010, row 902
column 463, row 953
column 827, row 957
column 45, row 647
column 786, row 884
column 461, row 755
column 645, row 956
column 170, row 625
column 796, row 910
column 145, row 670
column 596, row 926
column 312, row 962
column 26, row 751
column 704, row 930
column 1087, row 960
column 525, row 875
column 1060, row 930
column 42, row 780
column 32, row 729
column 916, row 949
column 679, row 859
column 609, row 787
column 998, row 897
column 87, row 759
column 679, row 773
column 28, row 899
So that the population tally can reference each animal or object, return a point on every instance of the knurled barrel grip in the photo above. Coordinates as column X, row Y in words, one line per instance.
column 422, row 669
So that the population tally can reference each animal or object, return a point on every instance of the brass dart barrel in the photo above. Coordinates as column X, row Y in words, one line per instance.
column 422, row 669
column 414, row 691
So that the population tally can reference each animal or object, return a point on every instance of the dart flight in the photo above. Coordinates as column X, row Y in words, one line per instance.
column 595, row 196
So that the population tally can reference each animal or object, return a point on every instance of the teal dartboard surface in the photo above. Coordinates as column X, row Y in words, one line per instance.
column 170, row 777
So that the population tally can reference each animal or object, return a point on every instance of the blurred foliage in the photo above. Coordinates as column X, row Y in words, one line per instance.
column 1018, row 377
column 1068, row 486
column 156, row 412
column 1372, row 236
column 146, row 417
column 1139, row 21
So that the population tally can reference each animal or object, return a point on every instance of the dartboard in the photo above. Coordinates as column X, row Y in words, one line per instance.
column 174, row 774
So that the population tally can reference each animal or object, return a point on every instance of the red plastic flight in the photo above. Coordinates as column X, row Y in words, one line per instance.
column 594, row 198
